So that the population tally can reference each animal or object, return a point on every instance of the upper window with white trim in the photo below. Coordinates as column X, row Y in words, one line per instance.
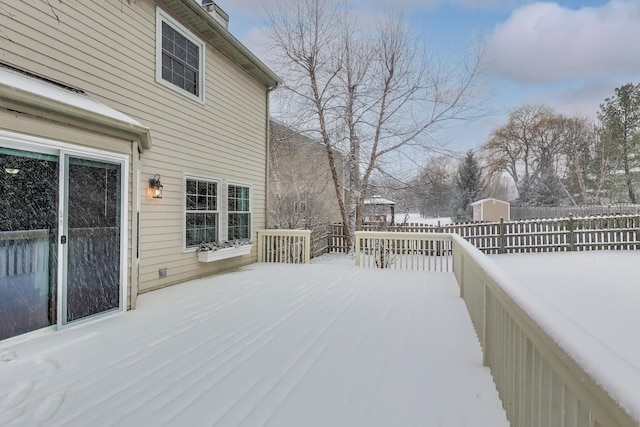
column 179, row 57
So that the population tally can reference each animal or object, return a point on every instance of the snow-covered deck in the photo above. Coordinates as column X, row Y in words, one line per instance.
column 269, row 345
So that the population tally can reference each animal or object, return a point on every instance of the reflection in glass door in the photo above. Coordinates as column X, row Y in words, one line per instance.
column 60, row 238
column 28, row 233
column 92, row 233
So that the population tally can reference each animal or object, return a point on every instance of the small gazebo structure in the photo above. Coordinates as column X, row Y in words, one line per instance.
column 379, row 210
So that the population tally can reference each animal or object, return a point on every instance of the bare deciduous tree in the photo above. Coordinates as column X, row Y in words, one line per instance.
column 620, row 120
column 588, row 159
column 300, row 196
column 368, row 93
column 532, row 134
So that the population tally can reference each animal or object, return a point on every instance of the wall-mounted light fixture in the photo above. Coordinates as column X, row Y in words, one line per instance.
column 155, row 187
column 12, row 171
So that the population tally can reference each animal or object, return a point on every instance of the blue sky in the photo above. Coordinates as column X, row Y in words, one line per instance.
column 569, row 54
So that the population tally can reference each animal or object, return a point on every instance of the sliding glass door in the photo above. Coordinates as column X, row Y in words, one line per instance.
column 91, row 238
column 28, row 235
column 61, row 232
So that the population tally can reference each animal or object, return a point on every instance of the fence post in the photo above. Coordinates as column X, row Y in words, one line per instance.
column 502, row 242
column 357, row 249
column 571, row 236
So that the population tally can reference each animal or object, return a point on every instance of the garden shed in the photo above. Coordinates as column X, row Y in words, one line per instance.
column 491, row 210
column 377, row 209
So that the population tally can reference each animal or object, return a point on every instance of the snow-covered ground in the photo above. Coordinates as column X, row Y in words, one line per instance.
column 415, row 218
column 268, row 345
column 597, row 297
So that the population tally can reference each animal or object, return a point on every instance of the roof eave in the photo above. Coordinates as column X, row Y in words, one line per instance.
column 16, row 99
column 218, row 36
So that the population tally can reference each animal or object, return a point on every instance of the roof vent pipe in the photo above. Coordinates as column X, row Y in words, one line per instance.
column 217, row 12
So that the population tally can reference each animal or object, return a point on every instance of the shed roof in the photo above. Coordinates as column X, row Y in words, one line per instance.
column 488, row 199
column 378, row 200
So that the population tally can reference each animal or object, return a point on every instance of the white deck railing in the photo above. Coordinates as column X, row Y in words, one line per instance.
column 284, row 246
column 540, row 384
column 406, row 251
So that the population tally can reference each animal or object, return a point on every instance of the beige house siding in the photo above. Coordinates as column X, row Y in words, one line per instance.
column 299, row 171
column 107, row 49
column 30, row 126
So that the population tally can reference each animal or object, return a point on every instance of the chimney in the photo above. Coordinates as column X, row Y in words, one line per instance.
column 217, row 12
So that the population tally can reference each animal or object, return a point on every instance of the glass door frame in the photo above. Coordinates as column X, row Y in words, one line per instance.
column 63, row 248
column 65, row 150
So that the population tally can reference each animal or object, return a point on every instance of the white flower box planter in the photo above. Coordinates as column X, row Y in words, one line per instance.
column 208, row 256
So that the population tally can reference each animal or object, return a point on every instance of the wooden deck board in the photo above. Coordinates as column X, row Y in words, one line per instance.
column 269, row 345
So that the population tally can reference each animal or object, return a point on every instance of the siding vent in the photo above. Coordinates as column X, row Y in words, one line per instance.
column 217, row 12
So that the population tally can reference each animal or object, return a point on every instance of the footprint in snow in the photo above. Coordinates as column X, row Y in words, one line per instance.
column 19, row 393
column 8, row 356
column 12, row 416
column 49, row 407
column 49, row 365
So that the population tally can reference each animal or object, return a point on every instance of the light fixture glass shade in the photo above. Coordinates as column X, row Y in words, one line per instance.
column 156, row 187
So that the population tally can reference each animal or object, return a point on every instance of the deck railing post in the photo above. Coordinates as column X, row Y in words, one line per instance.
column 485, row 334
column 460, row 261
column 307, row 247
column 357, row 250
column 260, row 247
column 502, row 242
column 637, row 221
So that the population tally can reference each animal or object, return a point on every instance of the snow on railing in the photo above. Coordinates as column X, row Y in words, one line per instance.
column 541, row 382
column 284, row 246
column 406, row 251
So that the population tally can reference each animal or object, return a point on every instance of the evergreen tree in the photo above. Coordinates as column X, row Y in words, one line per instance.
column 547, row 190
column 525, row 191
column 469, row 185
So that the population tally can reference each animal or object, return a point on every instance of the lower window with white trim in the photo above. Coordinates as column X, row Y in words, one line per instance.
column 201, row 213
column 238, row 211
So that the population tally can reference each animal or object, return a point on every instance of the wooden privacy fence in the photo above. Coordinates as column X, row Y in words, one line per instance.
column 529, row 212
column 284, row 246
column 406, row 251
column 319, row 241
column 539, row 383
column 542, row 235
column 337, row 242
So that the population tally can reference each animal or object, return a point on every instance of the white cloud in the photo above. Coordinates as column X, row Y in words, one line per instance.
column 581, row 99
column 544, row 42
